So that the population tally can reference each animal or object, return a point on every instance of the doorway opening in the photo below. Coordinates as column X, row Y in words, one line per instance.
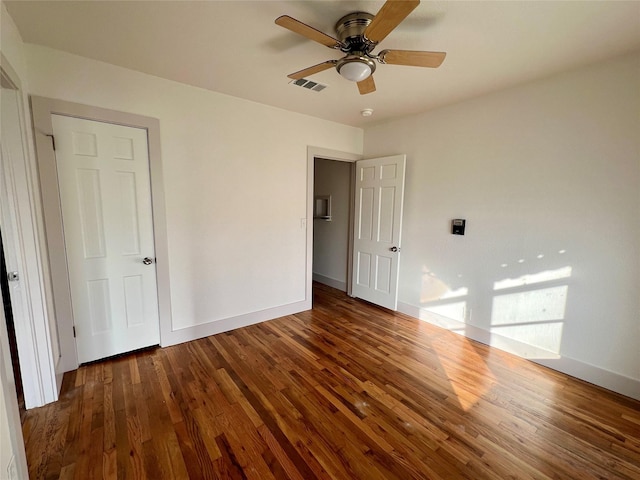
column 313, row 154
column 332, row 222
column 375, row 225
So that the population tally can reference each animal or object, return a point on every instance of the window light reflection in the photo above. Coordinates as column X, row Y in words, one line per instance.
column 533, row 278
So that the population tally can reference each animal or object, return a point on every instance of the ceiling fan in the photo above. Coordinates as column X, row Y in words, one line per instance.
column 358, row 35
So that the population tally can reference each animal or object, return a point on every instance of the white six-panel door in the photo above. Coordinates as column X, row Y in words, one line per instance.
column 379, row 188
column 103, row 174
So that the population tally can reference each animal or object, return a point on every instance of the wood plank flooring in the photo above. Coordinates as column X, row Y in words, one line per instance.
column 345, row 391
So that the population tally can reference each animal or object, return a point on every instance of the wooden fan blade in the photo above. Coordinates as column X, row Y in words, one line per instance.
column 367, row 85
column 306, row 31
column 311, row 70
column 412, row 58
column 389, row 17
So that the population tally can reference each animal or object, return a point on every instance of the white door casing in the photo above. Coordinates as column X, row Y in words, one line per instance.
column 103, row 175
column 379, row 192
column 37, row 344
column 11, row 237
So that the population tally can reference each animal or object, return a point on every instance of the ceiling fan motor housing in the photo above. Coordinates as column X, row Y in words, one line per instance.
column 350, row 30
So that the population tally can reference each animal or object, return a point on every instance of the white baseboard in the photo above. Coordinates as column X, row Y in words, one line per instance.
column 589, row 373
column 332, row 282
column 202, row 330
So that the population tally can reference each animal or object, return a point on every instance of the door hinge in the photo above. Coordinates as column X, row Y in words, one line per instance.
column 53, row 141
column 74, row 331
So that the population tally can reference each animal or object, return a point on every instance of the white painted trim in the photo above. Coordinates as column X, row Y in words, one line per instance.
column 42, row 109
column 10, row 405
column 332, row 282
column 35, row 351
column 589, row 373
column 312, row 154
column 186, row 334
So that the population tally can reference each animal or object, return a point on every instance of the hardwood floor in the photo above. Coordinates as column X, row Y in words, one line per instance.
column 346, row 391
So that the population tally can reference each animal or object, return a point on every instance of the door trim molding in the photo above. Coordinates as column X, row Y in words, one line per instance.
column 35, row 347
column 327, row 154
column 42, row 108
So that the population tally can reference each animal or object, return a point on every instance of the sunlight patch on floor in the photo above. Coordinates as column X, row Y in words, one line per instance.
column 469, row 386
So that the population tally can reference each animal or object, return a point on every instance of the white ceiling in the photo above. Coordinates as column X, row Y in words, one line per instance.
column 235, row 48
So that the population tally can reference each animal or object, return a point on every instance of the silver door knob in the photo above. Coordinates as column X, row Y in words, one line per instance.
column 147, row 261
column 394, row 249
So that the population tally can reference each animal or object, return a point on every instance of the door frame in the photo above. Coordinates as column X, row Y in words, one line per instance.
column 314, row 153
column 42, row 108
column 36, row 347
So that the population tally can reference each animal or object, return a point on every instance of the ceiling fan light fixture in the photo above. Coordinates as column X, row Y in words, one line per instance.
column 355, row 68
column 358, row 35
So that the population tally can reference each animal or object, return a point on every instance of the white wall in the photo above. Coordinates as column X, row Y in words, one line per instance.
column 11, row 44
column 547, row 176
column 331, row 238
column 235, row 186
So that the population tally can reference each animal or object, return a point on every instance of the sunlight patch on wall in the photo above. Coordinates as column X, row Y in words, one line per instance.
column 433, row 289
column 454, row 311
column 533, row 278
column 460, row 292
column 534, row 317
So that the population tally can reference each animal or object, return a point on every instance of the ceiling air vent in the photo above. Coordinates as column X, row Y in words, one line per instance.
column 308, row 84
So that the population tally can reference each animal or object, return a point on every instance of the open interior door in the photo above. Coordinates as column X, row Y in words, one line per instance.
column 379, row 190
column 105, row 196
